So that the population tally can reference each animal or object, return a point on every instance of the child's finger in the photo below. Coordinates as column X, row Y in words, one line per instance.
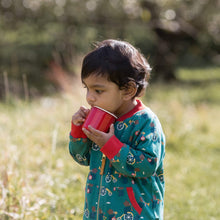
column 95, row 131
column 112, row 129
column 84, row 110
column 88, row 133
column 78, row 120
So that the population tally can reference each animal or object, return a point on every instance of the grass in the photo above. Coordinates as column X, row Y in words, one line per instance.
column 39, row 180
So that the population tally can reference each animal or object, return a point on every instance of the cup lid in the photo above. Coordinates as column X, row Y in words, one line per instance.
column 106, row 111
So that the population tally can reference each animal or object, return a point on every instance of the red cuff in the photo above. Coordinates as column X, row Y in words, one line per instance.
column 76, row 131
column 112, row 147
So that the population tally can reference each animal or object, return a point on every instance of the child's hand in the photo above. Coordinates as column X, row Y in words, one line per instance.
column 79, row 117
column 99, row 137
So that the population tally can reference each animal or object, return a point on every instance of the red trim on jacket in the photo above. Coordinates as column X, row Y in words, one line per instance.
column 112, row 147
column 138, row 107
column 133, row 200
column 76, row 131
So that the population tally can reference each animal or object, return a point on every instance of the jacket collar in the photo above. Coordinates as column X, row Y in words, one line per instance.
column 138, row 107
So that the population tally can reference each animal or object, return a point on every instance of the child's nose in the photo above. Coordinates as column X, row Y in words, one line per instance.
column 90, row 98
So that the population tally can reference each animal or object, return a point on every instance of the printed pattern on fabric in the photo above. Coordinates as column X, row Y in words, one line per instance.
column 132, row 184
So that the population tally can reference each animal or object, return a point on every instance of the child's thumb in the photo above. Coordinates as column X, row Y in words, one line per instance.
column 112, row 129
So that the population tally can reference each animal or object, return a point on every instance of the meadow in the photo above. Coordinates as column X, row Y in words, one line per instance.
column 39, row 180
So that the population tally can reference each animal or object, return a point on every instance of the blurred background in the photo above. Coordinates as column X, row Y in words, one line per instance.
column 42, row 40
column 42, row 44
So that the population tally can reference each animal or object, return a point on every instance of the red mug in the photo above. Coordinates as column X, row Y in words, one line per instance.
column 99, row 119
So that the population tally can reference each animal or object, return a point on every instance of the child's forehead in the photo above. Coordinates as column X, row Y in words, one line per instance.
column 97, row 79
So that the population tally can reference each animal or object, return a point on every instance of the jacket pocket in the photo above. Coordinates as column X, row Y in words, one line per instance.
column 133, row 201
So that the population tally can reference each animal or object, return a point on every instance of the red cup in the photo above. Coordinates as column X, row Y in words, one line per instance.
column 99, row 119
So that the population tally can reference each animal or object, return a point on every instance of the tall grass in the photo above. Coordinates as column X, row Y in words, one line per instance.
column 189, row 112
column 39, row 180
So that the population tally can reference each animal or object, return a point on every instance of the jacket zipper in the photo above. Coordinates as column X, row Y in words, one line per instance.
column 101, row 173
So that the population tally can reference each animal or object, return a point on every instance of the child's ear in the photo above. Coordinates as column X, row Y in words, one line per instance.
column 130, row 91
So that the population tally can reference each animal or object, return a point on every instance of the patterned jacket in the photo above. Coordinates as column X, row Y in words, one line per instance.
column 125, row 181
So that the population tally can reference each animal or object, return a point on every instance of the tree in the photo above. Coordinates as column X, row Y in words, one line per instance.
column 179, row 26
column 35, row 34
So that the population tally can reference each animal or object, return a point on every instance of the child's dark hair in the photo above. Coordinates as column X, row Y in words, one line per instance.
column 120, row 62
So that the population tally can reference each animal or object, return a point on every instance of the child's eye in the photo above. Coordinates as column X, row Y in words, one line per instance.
column 98, row 91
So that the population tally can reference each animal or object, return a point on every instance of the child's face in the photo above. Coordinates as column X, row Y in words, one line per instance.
column 105, row 94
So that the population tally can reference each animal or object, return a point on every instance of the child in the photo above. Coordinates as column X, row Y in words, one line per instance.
column 126, row 164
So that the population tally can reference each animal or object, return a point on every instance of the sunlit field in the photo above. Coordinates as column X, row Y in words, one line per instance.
column 39, row 179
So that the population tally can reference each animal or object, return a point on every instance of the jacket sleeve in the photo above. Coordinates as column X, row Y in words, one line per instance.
column 144, row 156
column 79, row 145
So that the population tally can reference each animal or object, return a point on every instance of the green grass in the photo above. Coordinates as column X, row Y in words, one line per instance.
column 39, row 179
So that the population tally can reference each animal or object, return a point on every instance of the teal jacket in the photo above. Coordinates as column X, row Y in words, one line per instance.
column 125, row 181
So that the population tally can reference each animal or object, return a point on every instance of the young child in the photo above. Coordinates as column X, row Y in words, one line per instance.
column 126, row 164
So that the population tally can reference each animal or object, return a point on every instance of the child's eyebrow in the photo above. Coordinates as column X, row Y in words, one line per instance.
column 95, row 85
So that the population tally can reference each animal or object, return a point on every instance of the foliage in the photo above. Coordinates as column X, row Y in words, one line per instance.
column 36, row 33
column 39, row 179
